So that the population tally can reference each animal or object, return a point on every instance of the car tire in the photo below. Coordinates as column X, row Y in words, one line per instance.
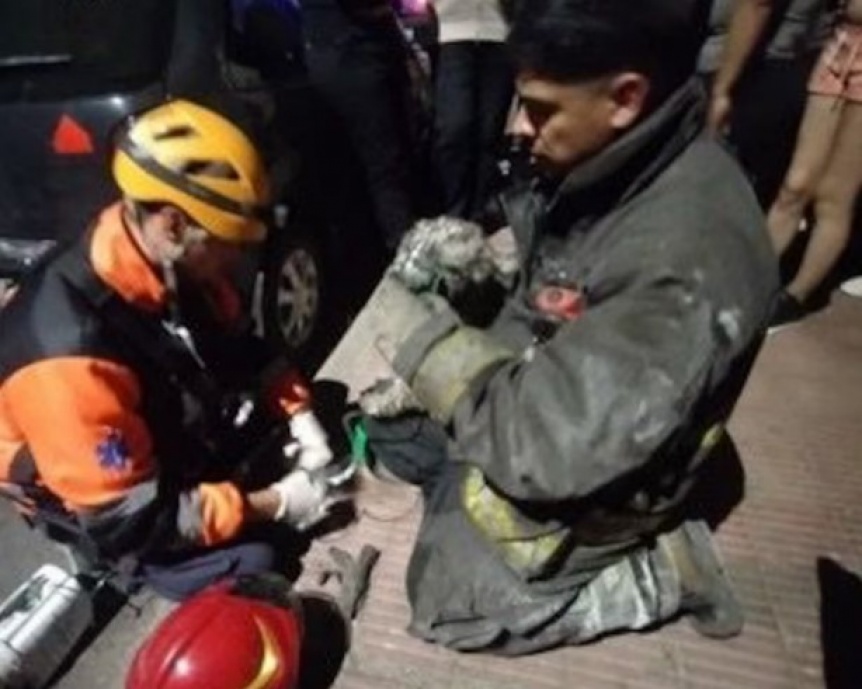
column 293, row 294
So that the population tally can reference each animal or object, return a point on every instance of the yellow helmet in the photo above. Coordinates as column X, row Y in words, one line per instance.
column 186, row 155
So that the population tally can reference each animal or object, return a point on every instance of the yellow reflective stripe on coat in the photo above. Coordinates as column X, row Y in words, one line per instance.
column 499, row 521
column 451, row 365
column 711, row 437
column 524, row 549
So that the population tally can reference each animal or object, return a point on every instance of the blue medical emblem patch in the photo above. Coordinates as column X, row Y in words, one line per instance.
column 113, row 453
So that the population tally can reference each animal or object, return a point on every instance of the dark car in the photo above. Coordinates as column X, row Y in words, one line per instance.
column 71, row 70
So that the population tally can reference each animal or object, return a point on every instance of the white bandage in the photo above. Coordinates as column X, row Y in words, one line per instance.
column 303, row 500
column 313, row 450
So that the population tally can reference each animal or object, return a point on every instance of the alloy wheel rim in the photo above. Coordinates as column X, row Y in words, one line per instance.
column 298, row 297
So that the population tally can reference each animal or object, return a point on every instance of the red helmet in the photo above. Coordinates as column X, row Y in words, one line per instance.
column 223, row 638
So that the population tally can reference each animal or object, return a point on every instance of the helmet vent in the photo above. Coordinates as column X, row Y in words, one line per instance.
column 199, row 161
column 178, row 132
column 208, row 168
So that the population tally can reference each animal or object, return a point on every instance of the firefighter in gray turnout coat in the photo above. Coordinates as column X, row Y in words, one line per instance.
column 557, row 443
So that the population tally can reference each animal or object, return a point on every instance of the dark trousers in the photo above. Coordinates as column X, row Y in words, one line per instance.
column 464, row 596
column 412, row 448
column 361, row 75
column 767, row 110
column 185, row 575
column 260, row 548
column 474, row 89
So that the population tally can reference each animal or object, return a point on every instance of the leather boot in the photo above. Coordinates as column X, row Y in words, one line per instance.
column 706, row 594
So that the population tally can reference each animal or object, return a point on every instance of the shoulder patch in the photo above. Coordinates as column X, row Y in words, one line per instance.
column 113, row 452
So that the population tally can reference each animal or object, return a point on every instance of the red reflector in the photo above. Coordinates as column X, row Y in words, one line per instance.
column 70, row 138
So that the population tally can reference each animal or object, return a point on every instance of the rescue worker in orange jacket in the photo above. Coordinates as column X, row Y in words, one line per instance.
column 124, row 396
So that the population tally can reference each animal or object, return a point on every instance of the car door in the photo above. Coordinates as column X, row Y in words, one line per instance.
column 70, row 70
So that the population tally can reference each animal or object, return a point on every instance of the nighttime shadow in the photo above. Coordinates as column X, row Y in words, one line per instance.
column 840, row 625
column 341, row 515
column 107, row 601
column 290, row 546
column 325, row 642
column 847, row 266
column 722, row 484
column 850, row 263
column 330, row 404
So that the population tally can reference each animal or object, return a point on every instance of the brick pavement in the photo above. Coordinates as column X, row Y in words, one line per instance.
column 797, row 432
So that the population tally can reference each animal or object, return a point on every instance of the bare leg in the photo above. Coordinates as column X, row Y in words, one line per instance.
column 833, row 205
column 813, row 148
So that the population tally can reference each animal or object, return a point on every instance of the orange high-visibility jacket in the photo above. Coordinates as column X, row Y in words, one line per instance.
column 80, row 414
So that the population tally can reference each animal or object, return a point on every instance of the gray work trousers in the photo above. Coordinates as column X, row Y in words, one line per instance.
column 464, row 596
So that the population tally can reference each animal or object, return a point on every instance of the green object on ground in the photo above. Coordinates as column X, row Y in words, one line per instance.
column 357, row 435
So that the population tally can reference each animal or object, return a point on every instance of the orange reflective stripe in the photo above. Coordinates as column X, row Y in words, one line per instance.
column 222, row 514
column 120, row 263
column 290, row 392
column 79, row 418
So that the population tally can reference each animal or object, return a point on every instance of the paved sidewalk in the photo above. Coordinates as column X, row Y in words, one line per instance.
column 798, row 433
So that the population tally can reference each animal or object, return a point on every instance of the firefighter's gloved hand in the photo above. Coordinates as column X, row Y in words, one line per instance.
column 429, row 348
column 305, row 499
column 387, row 398
column 452, row 258
column 443, row 255
column 309, row 444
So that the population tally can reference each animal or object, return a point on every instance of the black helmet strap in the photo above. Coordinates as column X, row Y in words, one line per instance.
column 184, row 184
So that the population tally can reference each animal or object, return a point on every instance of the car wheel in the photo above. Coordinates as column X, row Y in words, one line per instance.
column 293, row 294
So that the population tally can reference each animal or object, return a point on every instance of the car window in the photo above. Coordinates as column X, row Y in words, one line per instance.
column 60, row 48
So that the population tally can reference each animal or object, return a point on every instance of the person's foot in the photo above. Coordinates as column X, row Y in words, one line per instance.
column 786, row 311
column 852, row 287
column 707, row 595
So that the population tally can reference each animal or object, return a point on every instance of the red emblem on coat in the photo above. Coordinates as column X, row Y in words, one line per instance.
column 562, row 303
